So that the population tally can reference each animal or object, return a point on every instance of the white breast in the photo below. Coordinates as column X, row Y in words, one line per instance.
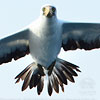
column 45, row 42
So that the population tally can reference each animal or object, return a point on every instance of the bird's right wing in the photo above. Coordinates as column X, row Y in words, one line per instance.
column 14, row 46
column 81, row 35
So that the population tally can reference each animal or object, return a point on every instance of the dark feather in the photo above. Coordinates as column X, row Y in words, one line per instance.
column 81, row 35
column 65, row 67
column 34, row 80
column 55, row 83
column 14, row 55
column 40, row 86
column 17, row 80
column 62, row 87
column 71, row 71
column 50, row 90
column 68, row 75
column 23, row 72
column 58, row 76
column 26, row 81
column 14, row 46
column 68, row 64
column 77, row 70
column 61, row 76
column 60, row 83
column 50, row 68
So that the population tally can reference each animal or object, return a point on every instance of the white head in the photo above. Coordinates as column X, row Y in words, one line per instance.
column 48, row 11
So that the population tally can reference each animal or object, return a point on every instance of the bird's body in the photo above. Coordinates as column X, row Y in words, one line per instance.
column 43, row 39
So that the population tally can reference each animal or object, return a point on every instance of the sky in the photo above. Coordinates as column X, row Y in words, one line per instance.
column 16, row 14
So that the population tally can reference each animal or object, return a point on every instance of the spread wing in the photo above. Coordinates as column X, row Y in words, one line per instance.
column 81, row 35
column 14, row 46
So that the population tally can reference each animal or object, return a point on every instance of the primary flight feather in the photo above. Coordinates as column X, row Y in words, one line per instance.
column 43, row 40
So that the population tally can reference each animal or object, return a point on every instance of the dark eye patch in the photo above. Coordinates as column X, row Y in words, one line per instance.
column 43, row 9
column 53, row 9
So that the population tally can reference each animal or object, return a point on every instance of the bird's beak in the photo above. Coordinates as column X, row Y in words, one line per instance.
column 48, row 12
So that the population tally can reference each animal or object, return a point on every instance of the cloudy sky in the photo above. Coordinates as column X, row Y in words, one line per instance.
column 16, row 14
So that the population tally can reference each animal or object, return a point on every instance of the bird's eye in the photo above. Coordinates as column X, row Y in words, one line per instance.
column 53, row 9
column 43, row 9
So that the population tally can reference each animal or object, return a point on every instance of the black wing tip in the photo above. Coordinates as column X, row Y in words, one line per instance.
column 15, row 54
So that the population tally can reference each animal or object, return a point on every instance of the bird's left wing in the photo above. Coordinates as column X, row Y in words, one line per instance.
column 14, row 46
column 81, row 35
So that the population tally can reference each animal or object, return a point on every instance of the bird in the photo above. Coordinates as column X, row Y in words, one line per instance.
column 43, row 40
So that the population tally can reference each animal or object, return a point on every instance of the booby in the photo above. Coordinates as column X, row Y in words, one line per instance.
column 43, row 40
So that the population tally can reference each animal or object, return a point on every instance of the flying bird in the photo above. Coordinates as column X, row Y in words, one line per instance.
column 43, row 40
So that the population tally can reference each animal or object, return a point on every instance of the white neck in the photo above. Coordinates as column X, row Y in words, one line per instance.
column 47, row 20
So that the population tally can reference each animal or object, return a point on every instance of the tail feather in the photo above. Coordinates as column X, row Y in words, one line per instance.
column 70, row 65
column 60, row 84
column 58, row 73
column 40, row 85
column 55, row 83
column 68, row 75
column 50, row 88
column 34, row 80
column 26, row 80
column 23, row 74
column 62, row 87
column 68, row 69
column 61, row 76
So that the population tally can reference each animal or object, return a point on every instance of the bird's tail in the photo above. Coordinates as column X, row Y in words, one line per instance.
column 58, row 73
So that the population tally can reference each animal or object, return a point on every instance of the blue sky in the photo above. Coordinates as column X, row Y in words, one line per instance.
column 16, row 14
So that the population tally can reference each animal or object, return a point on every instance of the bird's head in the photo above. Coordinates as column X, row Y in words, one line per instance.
column 49, row 11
